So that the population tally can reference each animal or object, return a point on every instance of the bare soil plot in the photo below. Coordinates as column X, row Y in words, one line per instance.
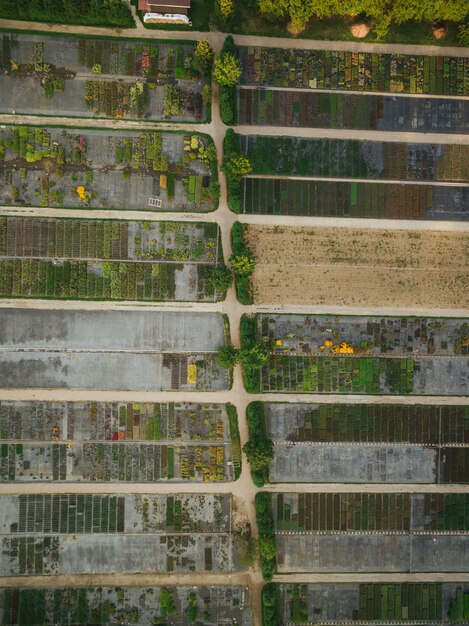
column 372, row 603
column 104, row 605
column 368, row 443
column 69, row 534
column 80, row 168
column 103, row 259
column 352, row 267
column 112, row 349
column 89, row 77
column 143, row 442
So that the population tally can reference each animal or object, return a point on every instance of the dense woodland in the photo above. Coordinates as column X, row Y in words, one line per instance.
column 90, row 12
column 382, row 12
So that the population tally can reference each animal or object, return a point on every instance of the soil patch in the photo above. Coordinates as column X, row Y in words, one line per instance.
column 351, row 267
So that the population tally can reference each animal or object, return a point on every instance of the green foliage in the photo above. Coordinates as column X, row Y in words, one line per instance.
column 267, row 544
column 227, row 69
column 242, row 257
column 90, row 12
column 243, row 264
column 221, row 279
column 193, row 608
column 227, row 356
column 237, row 166
column 172, row 100
column 259, row 448
column 381, row 12
column 167, row 602
column 203, row 56
column 235, row 439
column 271, row 605
column 463, row 34
column 248, row 342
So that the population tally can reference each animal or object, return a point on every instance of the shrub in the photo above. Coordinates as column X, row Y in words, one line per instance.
column 243, row 262
column 267, row 544
column 271, row 605
column 227, row 69
column 259, row 449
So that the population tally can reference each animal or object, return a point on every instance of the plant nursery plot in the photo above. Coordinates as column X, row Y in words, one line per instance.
column 373, row 603
column 85, row 168
column 371, row 552
column 352, row 111
column 350, row 158
column 143, row 442
column 367, row 423
column 87, row 77
column 340, row 267
column 370, row 512
column 368, row 443
column 352, row 354
column 91, row 514
column 144, row 533
column 103, row 259
column 277, row 196
column 111, row 350
column 354, row 71
column 108, row 605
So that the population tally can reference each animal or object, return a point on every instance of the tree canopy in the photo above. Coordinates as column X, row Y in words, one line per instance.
column 227, row 69
column 382, row 12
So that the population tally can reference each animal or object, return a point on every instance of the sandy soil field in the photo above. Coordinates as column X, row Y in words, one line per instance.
column 344, row 267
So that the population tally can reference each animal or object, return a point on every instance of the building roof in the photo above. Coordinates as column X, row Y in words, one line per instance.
column 171, row 5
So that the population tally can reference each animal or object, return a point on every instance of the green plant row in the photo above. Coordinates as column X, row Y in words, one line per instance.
column 356, row 71
column 267, row 542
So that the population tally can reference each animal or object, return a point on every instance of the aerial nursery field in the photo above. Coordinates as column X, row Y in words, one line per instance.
column 262, row 106
column 368, row 443
column 76, row 168
column 370, row 512
column 352, row 354
column 96, row 441
column 117, row 350
column 371, row 552
column 349, row 158
column 340, row 267
column 104, row 605
column 354, row 71
column 373, row 603
column 104, row 259
column 277, row 196
column 112, row 534
column 114, row 78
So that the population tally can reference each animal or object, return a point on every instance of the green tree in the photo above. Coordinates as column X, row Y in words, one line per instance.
column 237, row 166
column 227, row 69
column 243, row 264
column 203, row 56
column 255, row 356
column 259, row 453
column 221, row 279
column 227, row 356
